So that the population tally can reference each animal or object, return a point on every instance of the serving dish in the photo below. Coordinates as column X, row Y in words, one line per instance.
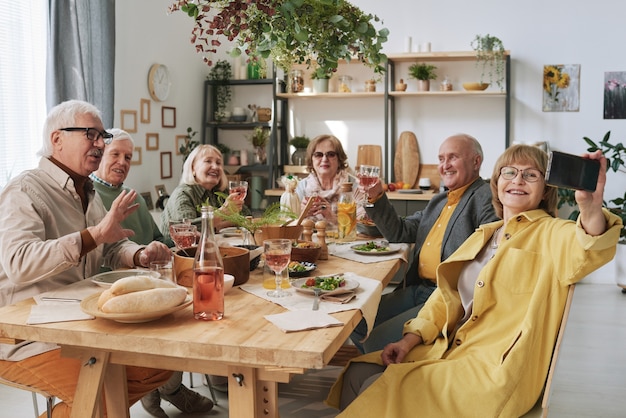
column 475, row 86
column 231, row 231
column 107, row 279
column 309, row 267
column 89, row 305
column 351, row 285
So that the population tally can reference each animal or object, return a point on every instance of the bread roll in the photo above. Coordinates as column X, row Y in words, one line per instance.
column 138, row 283
column 144, row 301
column 104, row 298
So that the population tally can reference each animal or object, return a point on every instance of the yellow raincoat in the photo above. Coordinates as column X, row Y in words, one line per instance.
column 496, row 363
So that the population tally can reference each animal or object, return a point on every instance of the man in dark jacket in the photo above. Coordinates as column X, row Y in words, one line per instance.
column 437, row 231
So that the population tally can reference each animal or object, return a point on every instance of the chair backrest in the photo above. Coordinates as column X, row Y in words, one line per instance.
column 49, row 398
column 370, row 155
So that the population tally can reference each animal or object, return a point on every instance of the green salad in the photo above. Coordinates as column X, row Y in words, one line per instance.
column 371, row 246
column 324, row 283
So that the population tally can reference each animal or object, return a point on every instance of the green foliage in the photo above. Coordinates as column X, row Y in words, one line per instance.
column 275, row 214
column 189, row 144
column 300, row 142
column 490, row 58
column 317, row 33
column 259, row 137
column 222, row 71
column 422, row 71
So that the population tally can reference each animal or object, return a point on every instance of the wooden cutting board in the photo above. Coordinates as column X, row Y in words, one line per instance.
column 406, row 163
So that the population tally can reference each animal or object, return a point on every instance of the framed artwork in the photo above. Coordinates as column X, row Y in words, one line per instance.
column 166, row 165
column 147, row 196
column 168, row 117
column 180, row 142
column 615, row 95
column 561, row 88
column 144, row 111
column 129, row 120
column 160, row 190
column 152, row 141
column 136, row 156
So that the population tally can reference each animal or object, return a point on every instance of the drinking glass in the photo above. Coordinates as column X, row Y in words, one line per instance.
column 277, row 257
column 239, row 187
column 368, row 175
column 184, row 235
column 163, row 270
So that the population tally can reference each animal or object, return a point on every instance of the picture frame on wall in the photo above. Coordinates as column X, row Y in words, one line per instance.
column 180, row 142
column 129, row 120
column 168, row 117
column 166, row 165
column 147, row 196
column 144, row 110
column 136, row 156
column 152, row 141
column 160, row 190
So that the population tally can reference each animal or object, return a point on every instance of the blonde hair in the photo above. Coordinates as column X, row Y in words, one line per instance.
column 524, row 154
column 200, row 152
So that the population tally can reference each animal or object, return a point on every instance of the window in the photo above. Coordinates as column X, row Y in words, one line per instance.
column 23, row 29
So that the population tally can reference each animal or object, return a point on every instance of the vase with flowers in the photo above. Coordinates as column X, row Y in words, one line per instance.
column 259, row 138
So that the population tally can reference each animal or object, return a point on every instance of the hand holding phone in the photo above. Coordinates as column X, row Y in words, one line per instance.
column 572, row 172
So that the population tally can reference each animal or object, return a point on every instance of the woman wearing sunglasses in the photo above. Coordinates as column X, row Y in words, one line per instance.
column 328, row 167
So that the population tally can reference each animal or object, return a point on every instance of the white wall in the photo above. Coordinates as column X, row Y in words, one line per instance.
column 537, row 33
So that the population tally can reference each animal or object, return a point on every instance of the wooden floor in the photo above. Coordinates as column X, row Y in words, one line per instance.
column 590, row 379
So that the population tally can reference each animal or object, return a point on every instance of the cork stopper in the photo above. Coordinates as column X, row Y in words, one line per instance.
column 346, row 187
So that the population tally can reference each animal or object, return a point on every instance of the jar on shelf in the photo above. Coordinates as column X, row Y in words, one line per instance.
column 345, row 84
column 296, row 81
column 446, row 84
column 370, row 85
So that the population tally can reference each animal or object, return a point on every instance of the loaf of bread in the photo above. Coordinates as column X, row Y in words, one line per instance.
column 144, row 301
column 140, row 294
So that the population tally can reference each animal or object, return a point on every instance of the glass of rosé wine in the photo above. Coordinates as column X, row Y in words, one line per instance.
column 184, row 235
column 238, row 187
column 277, row 256
column 368, row 176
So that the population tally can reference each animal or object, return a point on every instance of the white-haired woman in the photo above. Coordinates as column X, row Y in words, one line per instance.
column 203, row 176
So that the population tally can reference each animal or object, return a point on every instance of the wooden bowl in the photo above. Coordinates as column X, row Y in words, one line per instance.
column 309, row 253
column 275, row 231
column 236, row 262
column 475, row 86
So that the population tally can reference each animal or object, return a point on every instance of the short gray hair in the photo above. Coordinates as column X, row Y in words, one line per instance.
column 119, row 134
column 64, row 115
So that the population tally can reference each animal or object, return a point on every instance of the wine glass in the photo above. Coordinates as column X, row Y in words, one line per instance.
column 238, row 187
column 277, row 257
column 184, row 235
column 368, row 175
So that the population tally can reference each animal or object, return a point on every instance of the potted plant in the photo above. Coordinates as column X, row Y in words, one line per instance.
column 615, row 155
column 490, row 58
column 259, row 139
column 222, row 71
column 312, row 32
column 189, row 144
column 423, row 73
column 299, row 143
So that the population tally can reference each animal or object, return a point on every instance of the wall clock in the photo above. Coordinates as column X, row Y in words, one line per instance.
column 159, row 82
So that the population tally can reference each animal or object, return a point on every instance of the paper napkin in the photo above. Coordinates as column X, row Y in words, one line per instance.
column 291, row 321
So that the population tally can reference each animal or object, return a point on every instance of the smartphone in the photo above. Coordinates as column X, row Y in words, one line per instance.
column 572, row 171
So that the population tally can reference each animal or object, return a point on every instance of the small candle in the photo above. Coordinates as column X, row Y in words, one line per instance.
column 426, row 47
column 407, row 44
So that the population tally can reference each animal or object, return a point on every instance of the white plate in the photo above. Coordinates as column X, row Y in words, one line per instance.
column 410, row 191
column 392, row 249
column 108, row 278
column 231, row 231
column 351, row 284
column 89, row 305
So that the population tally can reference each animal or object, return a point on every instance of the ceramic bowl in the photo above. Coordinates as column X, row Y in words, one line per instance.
column 229, row 280
column 306, row 251
column 475, row 86
column 238, row 118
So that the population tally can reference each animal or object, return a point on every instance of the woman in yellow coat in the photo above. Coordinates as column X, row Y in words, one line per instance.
column 481, row 346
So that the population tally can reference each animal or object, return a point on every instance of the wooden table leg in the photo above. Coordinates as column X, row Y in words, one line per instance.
column 247, row 393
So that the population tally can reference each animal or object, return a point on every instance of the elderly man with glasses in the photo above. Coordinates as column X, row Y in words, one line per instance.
column 55, row 231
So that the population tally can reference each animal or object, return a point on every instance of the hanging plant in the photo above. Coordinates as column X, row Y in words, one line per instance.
column 317, row 33
column 490, row 58
column 188, row 144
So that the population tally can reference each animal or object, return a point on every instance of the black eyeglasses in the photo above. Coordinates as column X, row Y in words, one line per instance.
column 329, row 154
column 530, row 175
column 92, row 134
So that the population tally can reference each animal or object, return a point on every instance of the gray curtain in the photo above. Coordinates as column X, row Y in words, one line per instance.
column 81, row 54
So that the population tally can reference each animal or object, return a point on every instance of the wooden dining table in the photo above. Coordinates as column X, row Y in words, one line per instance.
column 253, row 353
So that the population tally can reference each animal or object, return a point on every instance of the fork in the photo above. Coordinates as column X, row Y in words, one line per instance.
column 316, row 301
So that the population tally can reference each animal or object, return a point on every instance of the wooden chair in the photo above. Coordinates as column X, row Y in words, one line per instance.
column 541, row 407
column 49, row 398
